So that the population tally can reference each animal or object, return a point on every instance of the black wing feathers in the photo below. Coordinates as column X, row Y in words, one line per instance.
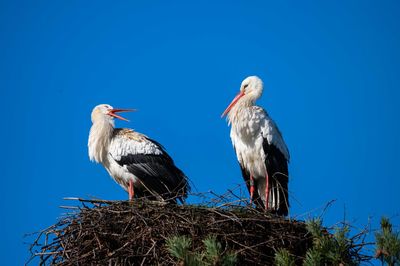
column 158, row 174
column 277, row 167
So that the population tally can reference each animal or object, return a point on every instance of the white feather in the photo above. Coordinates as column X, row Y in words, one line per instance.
column 122, row 145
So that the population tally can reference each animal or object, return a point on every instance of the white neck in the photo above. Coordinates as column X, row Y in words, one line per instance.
column 99, row 139
column 233, row 115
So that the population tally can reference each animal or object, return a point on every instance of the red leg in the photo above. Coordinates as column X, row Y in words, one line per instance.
column 266, row 190
column 130, row 190
column 251, row 188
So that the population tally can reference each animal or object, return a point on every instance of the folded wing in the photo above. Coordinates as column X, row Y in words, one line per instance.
column 150, row 163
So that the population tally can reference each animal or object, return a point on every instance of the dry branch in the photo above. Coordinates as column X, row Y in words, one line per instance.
column 122, row 233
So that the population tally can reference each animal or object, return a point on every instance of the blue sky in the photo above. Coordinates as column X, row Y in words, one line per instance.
column 331, row 74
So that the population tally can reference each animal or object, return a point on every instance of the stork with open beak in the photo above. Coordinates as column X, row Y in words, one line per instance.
column 260, row 149
column 137, row 163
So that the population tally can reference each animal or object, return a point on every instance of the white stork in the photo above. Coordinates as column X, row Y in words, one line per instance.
column 137, row 163
column 260, row 149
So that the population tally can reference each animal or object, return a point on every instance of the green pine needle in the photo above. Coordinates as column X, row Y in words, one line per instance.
column 178, row 246
column 284, row 258
column 388, row 243
column 213, row 248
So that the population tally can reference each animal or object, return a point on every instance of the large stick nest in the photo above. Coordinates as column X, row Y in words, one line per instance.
column 134, row 233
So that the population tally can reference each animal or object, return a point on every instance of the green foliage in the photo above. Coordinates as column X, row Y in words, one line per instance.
column 328, row 249
column 179, row 247
column 213, row 248
column 314, row 226
column 284, row 258
column 213, row 253
column 388, row 244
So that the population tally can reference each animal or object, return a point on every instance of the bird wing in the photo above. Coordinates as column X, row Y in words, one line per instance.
column 276, row 163
column 270, row 131
column 149, row 162
column 277, row 168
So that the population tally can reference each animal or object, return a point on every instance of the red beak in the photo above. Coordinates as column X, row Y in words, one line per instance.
column 234, row 101
column 114, row 111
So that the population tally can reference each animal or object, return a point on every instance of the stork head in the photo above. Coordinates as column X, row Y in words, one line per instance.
column 250, row 90
column 106, row 113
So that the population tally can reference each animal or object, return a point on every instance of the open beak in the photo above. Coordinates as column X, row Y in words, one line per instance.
column 234, row 101
column 114, row 111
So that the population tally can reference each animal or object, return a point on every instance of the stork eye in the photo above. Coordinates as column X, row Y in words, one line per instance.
column 245, row 86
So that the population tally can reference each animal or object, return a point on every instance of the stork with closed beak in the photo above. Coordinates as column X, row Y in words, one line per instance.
column 260, row 149
column 137, row 163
